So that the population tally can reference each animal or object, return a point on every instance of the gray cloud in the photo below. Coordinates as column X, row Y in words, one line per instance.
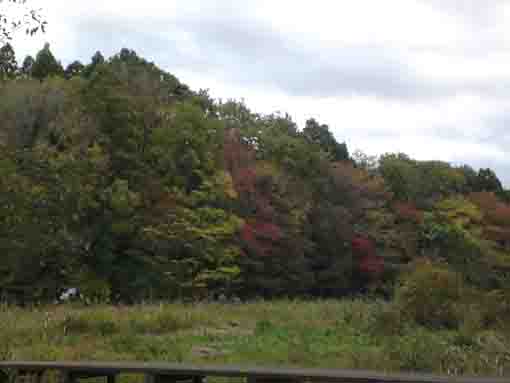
column 248, row 52
column 263, row 57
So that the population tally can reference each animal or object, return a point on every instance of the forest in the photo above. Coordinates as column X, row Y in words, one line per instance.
column 121, row 181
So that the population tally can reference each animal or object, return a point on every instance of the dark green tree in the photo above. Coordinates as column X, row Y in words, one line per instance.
column 8, row 64
column 74, row 69
column 488, row 181
column 128, row 56
column 27, row 66
column 45, row 64
column 96, row 60
column 471, row 177
column 321, row 135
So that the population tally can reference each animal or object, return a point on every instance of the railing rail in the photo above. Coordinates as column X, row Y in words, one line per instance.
column 71, row 372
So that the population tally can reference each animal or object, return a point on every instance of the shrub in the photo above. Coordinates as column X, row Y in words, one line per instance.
column 5, row 347
column 496, row 307
column 161, row 321
column 75, row 325
column 471, row 325
column 94, row 323
column 419, row 350
column 389, row 321
column 263, row 326
column 94, row 290
column 428, row 295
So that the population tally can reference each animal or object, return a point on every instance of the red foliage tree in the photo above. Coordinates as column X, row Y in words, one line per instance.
column 495, row 211
column 500, row 215
column 496, row 216
column 408, row 212
column 237, row 155
column 244, row 180
column 260, row 233
column 362, row 246
column 498, row 234
column 485, row 200
column 358, row 189
column 369, row 263
column 261, row 236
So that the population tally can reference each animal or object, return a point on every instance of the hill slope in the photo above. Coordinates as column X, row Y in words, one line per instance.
column 119, row 180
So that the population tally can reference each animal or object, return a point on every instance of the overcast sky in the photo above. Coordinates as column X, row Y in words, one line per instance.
column 430, row 78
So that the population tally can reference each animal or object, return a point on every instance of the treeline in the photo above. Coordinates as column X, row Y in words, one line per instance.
column 118, row 179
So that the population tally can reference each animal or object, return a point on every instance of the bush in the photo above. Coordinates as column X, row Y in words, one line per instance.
column 263, row 326
column 5, row 347
column 94, row 290
column 429, row 295
column 99, row 323
column 389, row 321
column 471, row 325
column 161, row 322
column 418, row 350
column 496, row 307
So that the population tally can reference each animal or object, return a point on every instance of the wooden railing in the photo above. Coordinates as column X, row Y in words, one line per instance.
column 71, row 372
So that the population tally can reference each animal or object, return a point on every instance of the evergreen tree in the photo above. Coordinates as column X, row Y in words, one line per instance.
column 27, row 66
column 488, row 181
column 74, row 69
column 8, row 64
column 45, row 64
column 96, row 60
column 321, row 135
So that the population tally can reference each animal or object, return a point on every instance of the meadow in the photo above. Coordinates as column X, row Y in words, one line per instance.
column 349, row 333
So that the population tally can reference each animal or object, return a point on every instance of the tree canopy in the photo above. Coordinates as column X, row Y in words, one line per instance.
column 120, row 180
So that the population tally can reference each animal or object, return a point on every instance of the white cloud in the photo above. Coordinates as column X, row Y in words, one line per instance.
column 362, row 22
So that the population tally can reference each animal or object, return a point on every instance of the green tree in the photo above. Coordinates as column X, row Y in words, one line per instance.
column 97, row 59
column 321, row 135
column 45, row 64
column 488, row 181
column 365, row 161
column 33, row 112
column 400, row 173
column 27, row 66
column 74, row 69
column 471, row 178
column 8, row 64
column 420, row 181
column 36, row 237
column 429, row 295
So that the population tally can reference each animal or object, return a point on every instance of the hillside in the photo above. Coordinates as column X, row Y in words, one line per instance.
column 118, row 179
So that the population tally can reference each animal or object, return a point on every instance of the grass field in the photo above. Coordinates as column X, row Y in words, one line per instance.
column 335, row 334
